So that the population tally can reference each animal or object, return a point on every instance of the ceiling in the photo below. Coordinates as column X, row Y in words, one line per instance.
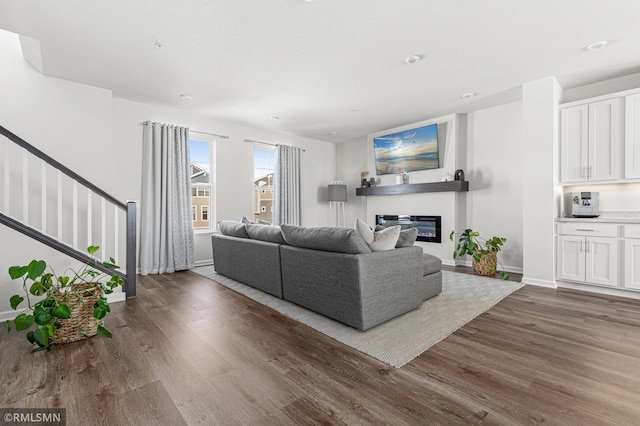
column 325, row 66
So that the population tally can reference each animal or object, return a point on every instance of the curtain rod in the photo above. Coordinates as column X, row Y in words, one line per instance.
column 265, row 143
column 144, row 123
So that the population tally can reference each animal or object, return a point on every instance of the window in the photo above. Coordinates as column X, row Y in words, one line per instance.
column 263, row 170
column 201, row 168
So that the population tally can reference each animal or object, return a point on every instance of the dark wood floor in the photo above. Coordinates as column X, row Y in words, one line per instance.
column 189, row 351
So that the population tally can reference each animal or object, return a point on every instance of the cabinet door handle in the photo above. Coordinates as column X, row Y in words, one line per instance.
column 586, row 246
column 585, row 230
column 589, row 174
column 581, row 246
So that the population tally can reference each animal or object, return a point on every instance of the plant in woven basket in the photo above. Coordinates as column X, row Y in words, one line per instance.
column 484, row 252
column 64, row 308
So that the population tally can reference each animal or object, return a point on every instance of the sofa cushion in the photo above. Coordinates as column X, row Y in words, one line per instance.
column 233, row 228
column 430, row 264
column 270, row 233
column 340, row 240
column 407, row 237
column 382, row 240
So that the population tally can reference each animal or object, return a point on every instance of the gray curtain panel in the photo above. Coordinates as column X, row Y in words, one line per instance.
column 166, row 227
column 288, row 186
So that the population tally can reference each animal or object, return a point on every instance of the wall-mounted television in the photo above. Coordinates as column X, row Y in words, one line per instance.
column 407, row 151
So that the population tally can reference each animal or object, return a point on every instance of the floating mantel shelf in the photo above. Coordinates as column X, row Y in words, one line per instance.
column 414, row 188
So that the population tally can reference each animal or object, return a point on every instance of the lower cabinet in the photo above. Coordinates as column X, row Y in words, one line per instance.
column 632, row 257
column 588, row 259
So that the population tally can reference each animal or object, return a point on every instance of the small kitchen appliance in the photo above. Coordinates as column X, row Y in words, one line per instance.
column 581, row 204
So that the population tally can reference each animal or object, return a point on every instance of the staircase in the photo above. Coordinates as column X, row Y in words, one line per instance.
column 49, row 203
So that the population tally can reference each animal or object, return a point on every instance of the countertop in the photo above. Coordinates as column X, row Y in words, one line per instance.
column 606, row 217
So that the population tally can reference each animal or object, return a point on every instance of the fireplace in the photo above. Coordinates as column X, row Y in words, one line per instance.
column 428, row 226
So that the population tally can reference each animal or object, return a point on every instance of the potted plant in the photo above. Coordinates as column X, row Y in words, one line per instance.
column 484, row 252
column 72, row 306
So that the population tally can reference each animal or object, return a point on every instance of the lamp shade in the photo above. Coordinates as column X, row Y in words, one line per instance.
column 337, row 193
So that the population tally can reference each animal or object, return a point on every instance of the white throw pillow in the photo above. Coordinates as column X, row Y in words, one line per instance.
column 385, row 239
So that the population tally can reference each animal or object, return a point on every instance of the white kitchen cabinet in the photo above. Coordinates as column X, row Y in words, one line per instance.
column 590, row 142
column 587, row 253
column 571, row 258
column 632, row 257
column 602, row 261
column 632, row 137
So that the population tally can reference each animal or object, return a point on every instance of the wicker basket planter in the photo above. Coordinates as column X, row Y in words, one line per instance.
column 81, row 299
column 63, row 308
column 487, row 264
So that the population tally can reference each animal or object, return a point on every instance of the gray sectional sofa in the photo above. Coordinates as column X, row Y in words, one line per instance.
column 328, row 270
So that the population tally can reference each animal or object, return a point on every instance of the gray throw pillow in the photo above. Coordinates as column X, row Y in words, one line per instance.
column 263, row 222
column 384, row 239
column 407, row 237
column 245, row 220
column 269, row 233
column 340, row 240
column 233, row 228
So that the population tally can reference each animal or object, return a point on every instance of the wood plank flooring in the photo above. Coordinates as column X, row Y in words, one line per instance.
column 189, row 351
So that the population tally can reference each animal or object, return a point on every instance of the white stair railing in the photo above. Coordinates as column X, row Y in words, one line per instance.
column 48, row 202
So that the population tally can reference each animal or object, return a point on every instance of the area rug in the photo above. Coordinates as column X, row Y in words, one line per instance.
column 398, row 341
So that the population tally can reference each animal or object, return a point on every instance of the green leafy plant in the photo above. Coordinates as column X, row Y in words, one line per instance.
column 470, row 242
column 60, row 296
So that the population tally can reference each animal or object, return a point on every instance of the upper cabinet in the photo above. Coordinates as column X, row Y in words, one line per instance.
column 590, row 142
column 632, row 137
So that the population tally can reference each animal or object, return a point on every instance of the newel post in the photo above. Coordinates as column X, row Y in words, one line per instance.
column 130, row 283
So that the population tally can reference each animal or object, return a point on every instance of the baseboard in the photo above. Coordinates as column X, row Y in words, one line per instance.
column 539, row 283
column 469, row 263
column 203, row 262
column 8, row 315
column 119, row 296
column 609, row 291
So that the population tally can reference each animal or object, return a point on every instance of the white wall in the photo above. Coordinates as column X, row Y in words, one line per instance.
column 351, row 160
column 234, row 162
column 356, row 156
column 69, row 121
column 494, row 170
column 541, row 195
column 100, row 137
column 489, row 144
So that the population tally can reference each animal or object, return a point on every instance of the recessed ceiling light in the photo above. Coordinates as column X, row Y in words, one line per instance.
column 597, row 45
column 274, row 118
column 413, row 59
column 467, row 95
column 333, row 133
column 185, row 97
column 158, row 45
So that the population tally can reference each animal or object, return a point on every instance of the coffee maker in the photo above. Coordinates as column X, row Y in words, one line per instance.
column 581, row 204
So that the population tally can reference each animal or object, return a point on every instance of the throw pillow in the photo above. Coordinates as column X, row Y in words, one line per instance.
column 340, row 240
column 407, row 237
column 269, row 233
column 233, row 228
column 263, row 222
column 382, row 240
column 245, row 220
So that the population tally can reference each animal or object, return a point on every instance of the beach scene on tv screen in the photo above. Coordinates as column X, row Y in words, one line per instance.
column 407, row 151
